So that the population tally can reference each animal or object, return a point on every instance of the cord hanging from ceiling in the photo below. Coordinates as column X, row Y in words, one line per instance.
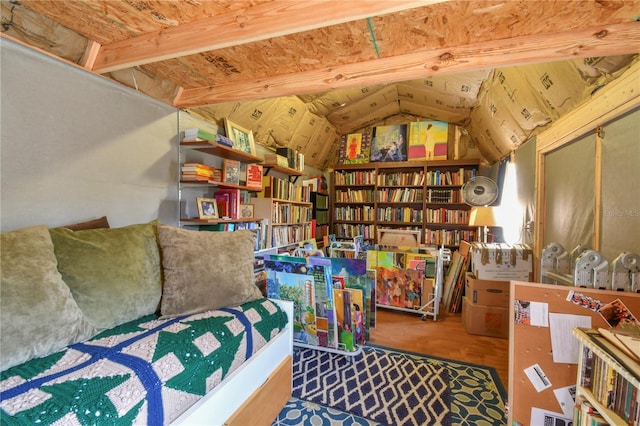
column 373, row 36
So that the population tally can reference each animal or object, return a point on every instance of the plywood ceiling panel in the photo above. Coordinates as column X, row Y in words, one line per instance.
column 429, row 59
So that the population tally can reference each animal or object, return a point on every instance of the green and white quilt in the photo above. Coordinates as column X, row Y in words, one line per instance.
column 147, row 371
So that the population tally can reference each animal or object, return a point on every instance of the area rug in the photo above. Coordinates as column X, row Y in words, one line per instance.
column 355, row 390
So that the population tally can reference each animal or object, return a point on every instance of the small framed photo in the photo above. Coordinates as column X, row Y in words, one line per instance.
column 246, row 211
column 207, row 208
column 241, row 137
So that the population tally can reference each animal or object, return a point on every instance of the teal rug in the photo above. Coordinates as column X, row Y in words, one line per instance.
column 474, row 393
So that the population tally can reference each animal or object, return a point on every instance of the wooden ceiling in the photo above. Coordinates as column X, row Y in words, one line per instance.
column 207, row 55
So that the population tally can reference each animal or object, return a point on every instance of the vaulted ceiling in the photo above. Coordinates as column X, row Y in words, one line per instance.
column 303, row 73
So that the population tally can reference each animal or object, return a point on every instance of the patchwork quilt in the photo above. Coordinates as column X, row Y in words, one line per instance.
column 147, row 371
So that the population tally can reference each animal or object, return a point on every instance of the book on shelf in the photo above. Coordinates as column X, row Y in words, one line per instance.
column 254, row 176
column 196, row 134
column 232, row 197
column 222, row 202
column 276, row 160
column 231, row 171
column 196, row 172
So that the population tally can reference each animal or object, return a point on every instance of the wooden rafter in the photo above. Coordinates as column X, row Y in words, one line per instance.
column 617, row 39
column 261, row 22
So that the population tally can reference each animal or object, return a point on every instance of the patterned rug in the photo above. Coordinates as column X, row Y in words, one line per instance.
column 355, row 391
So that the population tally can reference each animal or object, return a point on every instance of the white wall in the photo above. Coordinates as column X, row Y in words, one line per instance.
column 75, row 146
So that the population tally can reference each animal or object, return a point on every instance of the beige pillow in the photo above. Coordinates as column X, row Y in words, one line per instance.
column 38, row 315
column 113, row 273
column 205, row 270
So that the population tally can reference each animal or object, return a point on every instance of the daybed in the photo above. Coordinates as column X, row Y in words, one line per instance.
column 145, row 324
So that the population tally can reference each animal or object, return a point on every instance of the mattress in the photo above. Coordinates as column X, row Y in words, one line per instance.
column 147, row 371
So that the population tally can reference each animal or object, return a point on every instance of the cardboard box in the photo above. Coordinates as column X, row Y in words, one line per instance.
column 485, row 320
column 486, row 292
column 501, row 262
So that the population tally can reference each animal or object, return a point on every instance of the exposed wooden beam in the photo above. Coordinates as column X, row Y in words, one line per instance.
column 608, row 40
column 261, row 22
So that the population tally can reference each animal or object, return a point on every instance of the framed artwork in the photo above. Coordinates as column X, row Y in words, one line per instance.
column 246, row 210
column 207, row 208
column 241, row 137
column 389, row 143
column 428, row 140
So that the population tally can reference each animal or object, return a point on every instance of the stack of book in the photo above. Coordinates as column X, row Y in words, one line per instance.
column 199, row 135
column 196, row 172
column 276, row 160
column 295, row 159
column 286, row 157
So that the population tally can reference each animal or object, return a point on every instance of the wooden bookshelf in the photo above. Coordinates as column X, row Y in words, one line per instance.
column 607, row 380
column 414, row 195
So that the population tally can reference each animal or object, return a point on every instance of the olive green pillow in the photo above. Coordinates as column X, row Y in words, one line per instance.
column 113, row 273
column 205, row 270
column 38, row 315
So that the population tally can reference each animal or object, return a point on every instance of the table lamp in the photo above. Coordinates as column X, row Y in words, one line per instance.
column 483, row 216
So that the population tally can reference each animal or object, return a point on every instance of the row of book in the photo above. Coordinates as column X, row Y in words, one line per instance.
column 400, row 195
column 609, row 388
column 355, row 195
column 228, row 202
column 444, row 196
column 437, row 177
column 322, row 217
column 344, row 230
column 357, row 177
column 399, row 214
column 361, row 213
column 290, row 213
column 448, row 237
column 283, row 189
column 290, row 234
column 401, row 179
column 285, row 157
column 460, row 217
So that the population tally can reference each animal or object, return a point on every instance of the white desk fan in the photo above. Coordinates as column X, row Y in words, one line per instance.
column 479, row 193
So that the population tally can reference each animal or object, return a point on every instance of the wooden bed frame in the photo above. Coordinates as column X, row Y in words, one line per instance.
column 256, row 392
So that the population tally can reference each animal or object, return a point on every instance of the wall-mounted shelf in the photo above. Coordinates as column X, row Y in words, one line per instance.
column 214, row 148
column 292, row 173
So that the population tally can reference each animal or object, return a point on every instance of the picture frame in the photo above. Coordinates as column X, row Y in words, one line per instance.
column 242, row 138
column 207, row 208
column 246, row 211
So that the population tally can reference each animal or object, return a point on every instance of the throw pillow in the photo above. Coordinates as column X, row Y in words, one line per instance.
column 38, row 315
column 205, row 270
column 114, row 274
column 101, row 222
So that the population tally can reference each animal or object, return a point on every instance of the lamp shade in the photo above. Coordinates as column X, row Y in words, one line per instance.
column 482, row 216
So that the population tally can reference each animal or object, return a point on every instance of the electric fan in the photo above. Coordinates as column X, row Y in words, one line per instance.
column 480, row 191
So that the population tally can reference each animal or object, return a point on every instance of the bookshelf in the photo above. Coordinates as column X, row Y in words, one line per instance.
column 211, row 155
column 320, row 214
column 288, row 222
column 607, row 383
column 416, row 195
